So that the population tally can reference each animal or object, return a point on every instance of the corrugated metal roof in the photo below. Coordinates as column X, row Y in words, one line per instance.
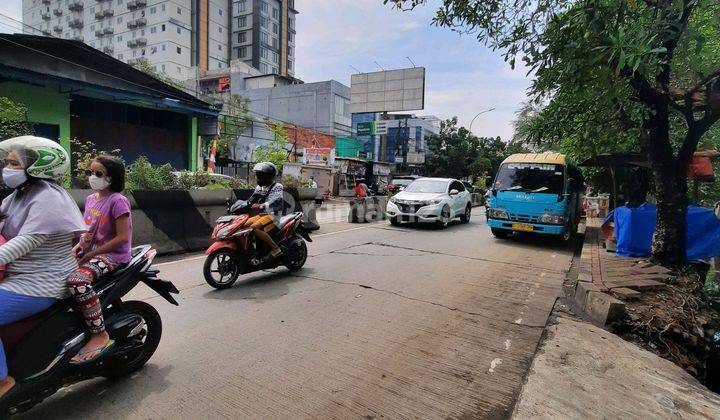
column 548, row 157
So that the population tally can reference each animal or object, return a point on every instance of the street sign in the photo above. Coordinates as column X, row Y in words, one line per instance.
column 381, row 127
column 366, row 128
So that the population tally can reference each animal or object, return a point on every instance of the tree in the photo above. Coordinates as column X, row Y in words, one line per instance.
column 276, row 150
column 13, row 119
column 454, row 152
column 641, row 74
column 234, row 120
column 144, row 65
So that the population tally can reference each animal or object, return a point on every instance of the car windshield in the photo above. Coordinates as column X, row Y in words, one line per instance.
column 402, row 181
column 531, row 177
column 427, row 186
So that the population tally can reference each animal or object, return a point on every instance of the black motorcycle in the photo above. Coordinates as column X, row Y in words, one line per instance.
column 39, row 348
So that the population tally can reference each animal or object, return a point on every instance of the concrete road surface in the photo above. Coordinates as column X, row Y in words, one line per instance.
column 383, row 322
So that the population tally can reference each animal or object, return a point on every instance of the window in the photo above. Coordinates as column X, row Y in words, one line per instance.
column 163, row 28
column 134, row 53
column 291, row 23
column 153, row 10
column 290, row 65
column 92, row 27
column 219, row 47
column 163, row 9
column 153, row 30
column 264, row 22
column 275, row 28
column 119, row 2
column 153, row 50
column 264, row 38
column 178, row 69
column 220, row 11
column 275, row 70
column 179, row 50
column 242, row 52
column 219, row 65
column 119, row 38
column 242, row 37
column 275, row 57
column 290, row 51
column 220, row 29
column 264, row 7
column 263, row 52
column 92, row 10
column 163, row 47
column 162, row 67
column 291, row 37
column 276, row 13
column 142, row 32
column 120, row 19
column 275, row 42
column 242, row 21
column 179, row 13
column 263, row 68
column 241, row 6
column 179, row 31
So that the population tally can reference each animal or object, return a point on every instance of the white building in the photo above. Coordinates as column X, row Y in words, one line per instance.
column 176, row 36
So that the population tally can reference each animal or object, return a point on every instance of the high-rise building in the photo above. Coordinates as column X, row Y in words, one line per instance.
column 263, row 35
column 177, row 37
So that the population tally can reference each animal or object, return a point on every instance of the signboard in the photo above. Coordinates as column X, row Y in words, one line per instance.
column 318, row 155
column 386, row 91
column 366, row 128
column 381, row 127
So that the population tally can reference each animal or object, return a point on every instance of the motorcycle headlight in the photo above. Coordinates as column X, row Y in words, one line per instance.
column 222, row 233
column 498, row 213
column 554, row 219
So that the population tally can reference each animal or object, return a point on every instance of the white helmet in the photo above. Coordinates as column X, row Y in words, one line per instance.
column 41, row 157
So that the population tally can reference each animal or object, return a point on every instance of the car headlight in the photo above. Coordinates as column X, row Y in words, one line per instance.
column 498, row 213
column 553, row 219
column 393, row 199
column 431, row 202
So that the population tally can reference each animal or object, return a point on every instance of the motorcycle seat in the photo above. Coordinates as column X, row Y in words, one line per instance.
column 285, row 220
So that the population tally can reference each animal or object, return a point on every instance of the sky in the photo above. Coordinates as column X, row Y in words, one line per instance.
column 463, row 77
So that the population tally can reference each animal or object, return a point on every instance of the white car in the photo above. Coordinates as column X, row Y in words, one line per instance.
column 437, row 200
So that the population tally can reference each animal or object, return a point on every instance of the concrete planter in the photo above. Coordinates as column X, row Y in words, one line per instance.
column 308, row 193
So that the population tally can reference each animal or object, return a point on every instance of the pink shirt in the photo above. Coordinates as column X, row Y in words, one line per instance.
column 100, row 216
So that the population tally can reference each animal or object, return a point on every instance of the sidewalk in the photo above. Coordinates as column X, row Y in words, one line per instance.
column 584, row 372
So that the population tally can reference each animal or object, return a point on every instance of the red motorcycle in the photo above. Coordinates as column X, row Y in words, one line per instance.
column 235, row 250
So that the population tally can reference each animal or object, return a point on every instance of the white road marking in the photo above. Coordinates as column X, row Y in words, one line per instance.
column 518, row 321
column 507, row 344
column 495, row 363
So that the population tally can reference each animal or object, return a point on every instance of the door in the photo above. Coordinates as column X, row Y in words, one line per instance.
column 458, row 200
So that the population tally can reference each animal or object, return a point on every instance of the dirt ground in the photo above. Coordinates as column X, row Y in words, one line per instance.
column 582, row 371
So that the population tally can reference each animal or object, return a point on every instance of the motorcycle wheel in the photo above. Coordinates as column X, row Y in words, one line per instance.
column 148, row 339
column 297, row 255
column 225, row 271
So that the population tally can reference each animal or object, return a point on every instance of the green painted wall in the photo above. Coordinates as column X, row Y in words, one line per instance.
column 194, row 152
column 45, row 105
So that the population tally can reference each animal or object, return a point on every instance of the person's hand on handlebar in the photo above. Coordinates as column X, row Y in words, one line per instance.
column 257, row 207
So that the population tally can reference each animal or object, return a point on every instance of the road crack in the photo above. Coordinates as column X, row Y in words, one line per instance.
column 428, row 302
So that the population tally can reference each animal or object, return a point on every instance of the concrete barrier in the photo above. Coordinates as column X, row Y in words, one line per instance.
column 368, row 209
column 180, row 221
column 477, row 199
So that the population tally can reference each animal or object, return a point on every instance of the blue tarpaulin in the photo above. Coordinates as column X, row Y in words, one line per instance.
column 634, row 229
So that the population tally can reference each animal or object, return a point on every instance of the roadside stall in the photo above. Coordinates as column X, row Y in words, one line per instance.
column 321, row 174
column 348, row 171
column 380, row 175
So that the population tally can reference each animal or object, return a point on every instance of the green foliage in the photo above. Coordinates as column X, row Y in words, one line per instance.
column 290, row 181
column 144, row 65
column 83, row 152
column 13, row 119
column 143, row 175
column 234, row 120
column 458, row 153
column 276, row 150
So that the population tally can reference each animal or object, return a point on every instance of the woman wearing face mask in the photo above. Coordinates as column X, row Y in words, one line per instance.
column 40, row 220
column 102, row 249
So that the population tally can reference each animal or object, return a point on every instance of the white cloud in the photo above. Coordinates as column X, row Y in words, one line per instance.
column 409, row 26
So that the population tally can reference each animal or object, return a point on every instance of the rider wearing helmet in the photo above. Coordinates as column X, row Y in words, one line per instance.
column 40, row 222
column 268, row 200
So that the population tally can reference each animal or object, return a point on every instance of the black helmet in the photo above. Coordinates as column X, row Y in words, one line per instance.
column 266, row 168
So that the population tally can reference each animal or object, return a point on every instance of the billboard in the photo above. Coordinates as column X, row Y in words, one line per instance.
column 387, row 91
column 318, row 156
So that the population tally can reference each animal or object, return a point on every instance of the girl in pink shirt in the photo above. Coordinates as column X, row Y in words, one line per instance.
column 102, row 249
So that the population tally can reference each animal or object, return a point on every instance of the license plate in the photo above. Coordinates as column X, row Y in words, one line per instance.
column 522, row 227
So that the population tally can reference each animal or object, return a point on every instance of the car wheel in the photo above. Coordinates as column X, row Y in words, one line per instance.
column 444, row 217
column 500, row 233
column 465, row 218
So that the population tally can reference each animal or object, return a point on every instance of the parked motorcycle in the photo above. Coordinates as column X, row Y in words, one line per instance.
column 235, row 250
column 39, row 348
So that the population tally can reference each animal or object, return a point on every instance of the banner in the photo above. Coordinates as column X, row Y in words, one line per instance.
column 318, row 156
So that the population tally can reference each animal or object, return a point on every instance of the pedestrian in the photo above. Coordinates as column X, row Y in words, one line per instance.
column 361, row 189
column 105, row 247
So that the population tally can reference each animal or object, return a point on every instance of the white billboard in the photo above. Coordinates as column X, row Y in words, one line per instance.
column 388, row 91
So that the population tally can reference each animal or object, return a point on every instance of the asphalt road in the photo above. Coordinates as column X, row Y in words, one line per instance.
column 383, row 322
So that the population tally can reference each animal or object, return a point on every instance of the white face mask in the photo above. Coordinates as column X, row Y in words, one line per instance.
column 98, row 184
column 14, row 178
